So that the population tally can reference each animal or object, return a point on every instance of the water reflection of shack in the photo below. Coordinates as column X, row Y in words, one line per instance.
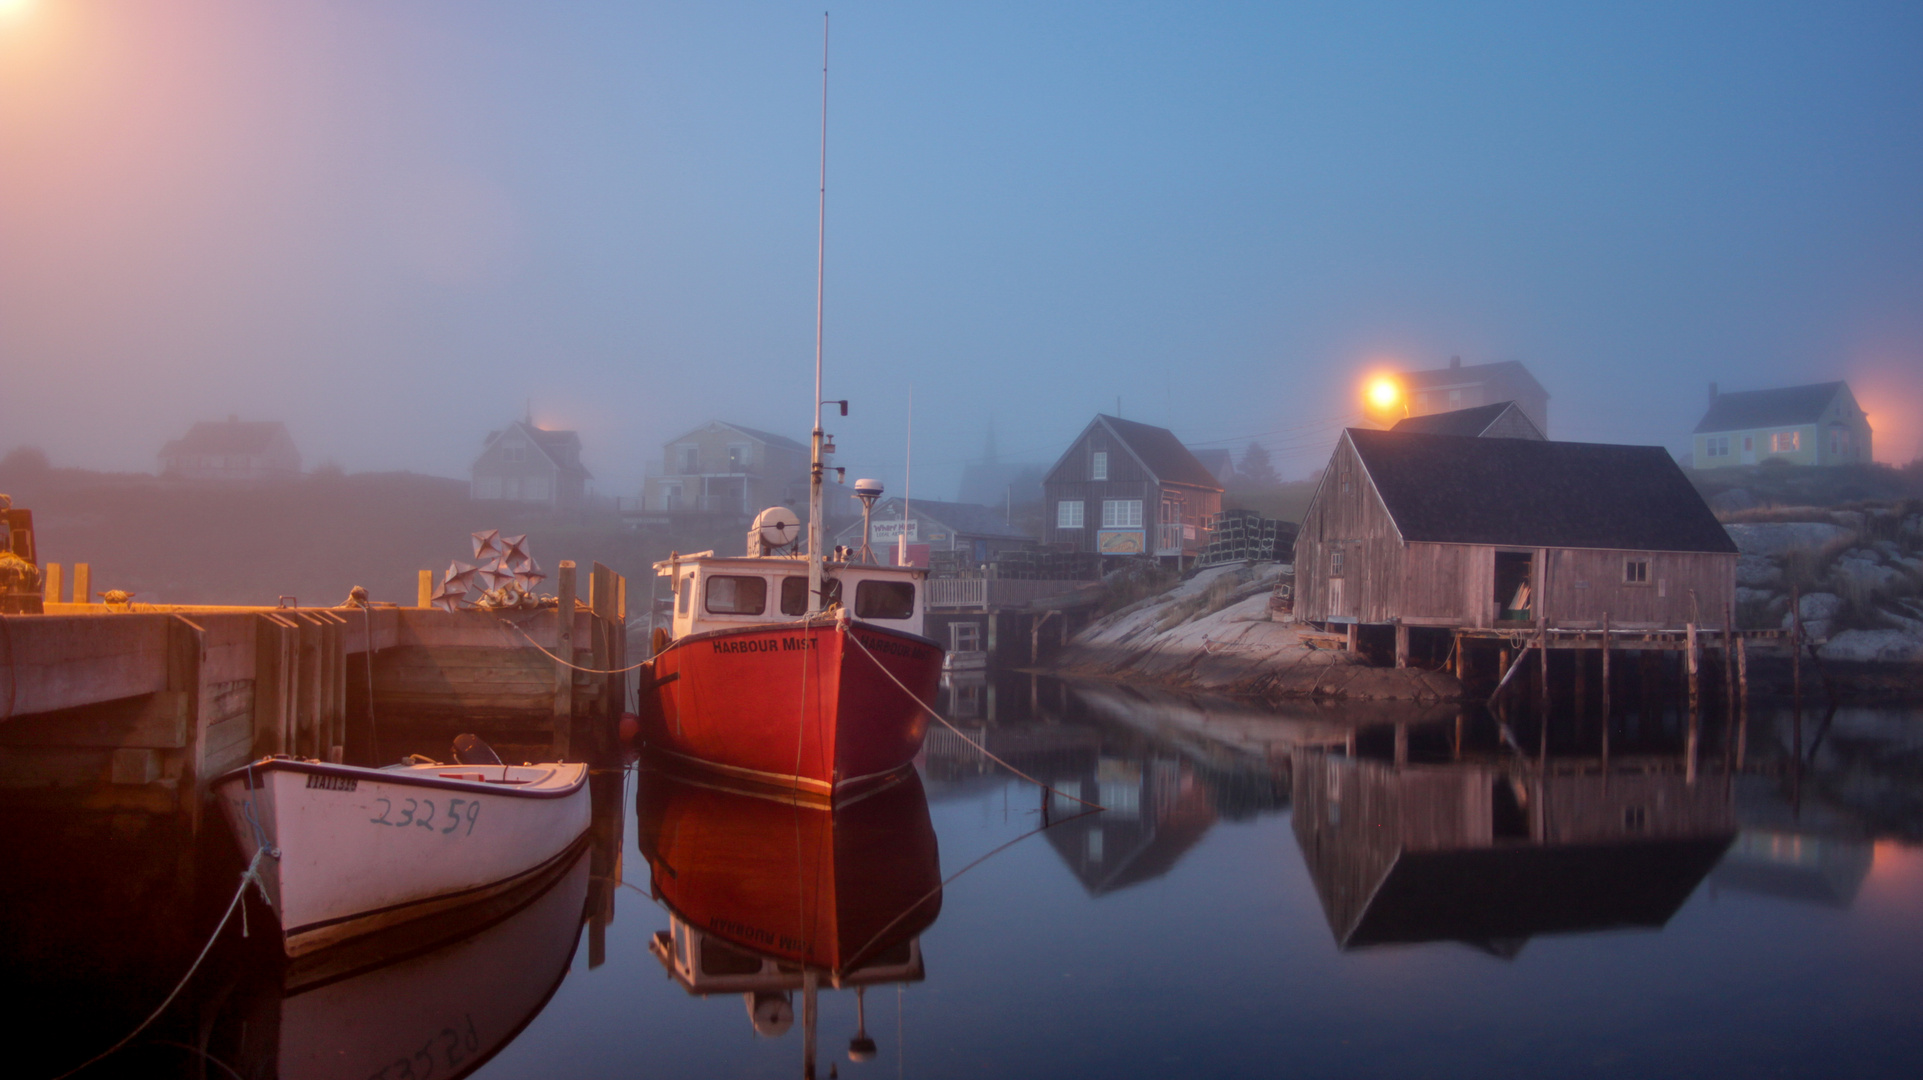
column 1157, row 809
column 1492, row 855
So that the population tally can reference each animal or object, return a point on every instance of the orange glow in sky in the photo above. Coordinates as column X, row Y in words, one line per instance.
column 17, row 9
column 1384, row 393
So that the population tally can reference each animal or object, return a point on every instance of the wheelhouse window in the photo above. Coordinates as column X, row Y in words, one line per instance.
column 687, row 592
column 1098, row 465
column 1635, row 571
column 729, row 594
column 1068, row 514
column 1121, row 513
column 794, row 594
column 884, row 600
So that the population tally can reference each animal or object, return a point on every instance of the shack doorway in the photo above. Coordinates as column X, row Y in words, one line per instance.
column 1515, row 585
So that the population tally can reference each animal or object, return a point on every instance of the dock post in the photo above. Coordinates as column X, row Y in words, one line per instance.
column 1729, row 685
column 1462, row 662
column 1692, row 662
column 1402, row 644
column 1350, row 645
column 1605, row 698
column 1402, row 745
column 564, row 648
column 424, row 589
column 1742, row 699
column 1542, row 695
column 1796, row 670
column 82, row 583
column 50, row 575
column 1580, row 703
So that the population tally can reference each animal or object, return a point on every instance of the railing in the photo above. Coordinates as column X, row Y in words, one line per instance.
column 1168, row 539
column 994, row 592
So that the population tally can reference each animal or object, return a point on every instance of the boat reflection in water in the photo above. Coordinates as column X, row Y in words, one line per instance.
column 767, row 897
column 441, row 999
column 1491, row 853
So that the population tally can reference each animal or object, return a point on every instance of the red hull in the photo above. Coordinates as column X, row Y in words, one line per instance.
column 793, row 705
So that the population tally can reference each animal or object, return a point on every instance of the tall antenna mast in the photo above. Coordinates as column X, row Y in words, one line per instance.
column 815, row 538
column 907, row 485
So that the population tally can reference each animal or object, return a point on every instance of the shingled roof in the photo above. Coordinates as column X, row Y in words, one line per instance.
column 1161, row 453
column 1470, row 422
column 1454, row 490
column 1747, row 409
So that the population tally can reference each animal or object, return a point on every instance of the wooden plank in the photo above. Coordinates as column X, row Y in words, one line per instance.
column 66, row 661
column 424, row 589
column 156, row 721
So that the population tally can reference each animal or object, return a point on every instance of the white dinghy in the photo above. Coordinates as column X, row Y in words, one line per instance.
column 352, row 850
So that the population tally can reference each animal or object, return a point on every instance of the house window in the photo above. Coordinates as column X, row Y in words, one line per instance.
column 732, row 595
column 514, row 452
column 670, row 497
column 1068, row 515
column 686, row 458
column 1121, row 513
column 1336, row 561
column 1716, row 446
column 1098, row 465
column 738, row 458
column 1455, row 399
column 1749, row 444
column 1635, row 571
column 1839, row 441
column 1785, row 442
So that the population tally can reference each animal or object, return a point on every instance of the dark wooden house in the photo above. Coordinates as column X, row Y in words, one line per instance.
column 1125, row 488
column 1502, row 420
column 1460, row 386
column 1447, row 531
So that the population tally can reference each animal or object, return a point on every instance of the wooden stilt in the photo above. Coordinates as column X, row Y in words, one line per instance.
column 1579, row 701
column 1692, row 661
column 1402, row 745
column 1462, row 661
column 1729, row 685
column 1350, row 643
column 564, row 647
column 82, row 583
column 1402, row 644
column 424, row 589
column 1542, row 692
column 50, row 581
column 1462, row 719
column 1605, row 694
column 1742, row 701
column 1796, row 673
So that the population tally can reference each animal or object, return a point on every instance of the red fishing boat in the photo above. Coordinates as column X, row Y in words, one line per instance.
column 753, row 684
column 786, row 667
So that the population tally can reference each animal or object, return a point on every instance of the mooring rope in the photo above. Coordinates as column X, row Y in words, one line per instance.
column 250, row 877
column 916, row 698
column 568, row 663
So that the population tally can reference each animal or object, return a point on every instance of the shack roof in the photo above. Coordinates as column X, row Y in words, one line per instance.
column 227, row 437
column 1746, row 409
column 1454, row 490
column 1161, row 453
column 1471, row 422
column 1464, row 375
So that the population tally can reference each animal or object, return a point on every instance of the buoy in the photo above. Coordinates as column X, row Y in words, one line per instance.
column 630, row 726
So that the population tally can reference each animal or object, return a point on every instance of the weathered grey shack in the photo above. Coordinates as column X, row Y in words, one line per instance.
column 1448, row 531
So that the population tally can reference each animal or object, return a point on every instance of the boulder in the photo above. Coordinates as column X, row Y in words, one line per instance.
column 1818, row 610
column 1757, row 571
column 1774, row 538
column 1863, row 574
column 1874, row 646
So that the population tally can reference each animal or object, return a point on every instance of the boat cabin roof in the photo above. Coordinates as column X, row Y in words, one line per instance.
column 734, row 592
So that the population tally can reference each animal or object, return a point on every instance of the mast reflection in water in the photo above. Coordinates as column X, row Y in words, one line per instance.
column 767, row 897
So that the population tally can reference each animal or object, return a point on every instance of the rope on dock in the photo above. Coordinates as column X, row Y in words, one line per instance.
column 250, row 877
column 565, row 663
column 916, row 698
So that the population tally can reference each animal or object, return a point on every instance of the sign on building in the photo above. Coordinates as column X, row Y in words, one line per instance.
column 886, row 532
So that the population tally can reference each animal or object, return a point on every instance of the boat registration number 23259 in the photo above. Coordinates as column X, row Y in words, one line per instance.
column 422, row 813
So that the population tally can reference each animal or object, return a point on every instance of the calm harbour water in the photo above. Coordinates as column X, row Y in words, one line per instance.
column 1254, row 901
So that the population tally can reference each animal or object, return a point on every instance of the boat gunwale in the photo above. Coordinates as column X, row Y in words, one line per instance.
column 408, row 778
column 794, row 625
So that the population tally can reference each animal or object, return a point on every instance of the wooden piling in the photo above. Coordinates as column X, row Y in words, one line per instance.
column 1605, row 694
column 1692, row 661
column 1796, row 671
column 1462, row 660
column 564, row 647
column 424, row 589
column 1402, row 644
column 1729, row 684
column 1742, row 706
column 1350, row 640
column 1402, row 745
column 82, row 583
column 50, row 577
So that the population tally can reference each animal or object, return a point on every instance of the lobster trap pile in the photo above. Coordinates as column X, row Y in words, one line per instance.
column 1245, row 535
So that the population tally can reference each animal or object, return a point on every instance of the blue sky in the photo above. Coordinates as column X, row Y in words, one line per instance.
column 391, row 224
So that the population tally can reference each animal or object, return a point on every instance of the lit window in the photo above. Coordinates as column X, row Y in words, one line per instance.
column 1749, row 444
column 1068, row 515
column 738, row 458
column 1785, row 442
column 1636, row 571
column 1098, row 465
column 1121, row 513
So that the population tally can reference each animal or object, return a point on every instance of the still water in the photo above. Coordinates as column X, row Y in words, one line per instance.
column 1363, row 893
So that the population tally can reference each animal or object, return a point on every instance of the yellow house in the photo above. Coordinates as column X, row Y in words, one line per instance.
column 1819, row 424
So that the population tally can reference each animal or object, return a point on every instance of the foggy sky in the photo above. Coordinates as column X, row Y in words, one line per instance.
column 391, row 224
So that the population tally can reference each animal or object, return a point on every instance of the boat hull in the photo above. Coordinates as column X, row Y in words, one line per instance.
column 364, row 849
column 810, row 707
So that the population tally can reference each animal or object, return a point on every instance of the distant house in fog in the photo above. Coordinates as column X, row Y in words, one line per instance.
column 1819, row 424
column 1124, row 488
column 1458, row 387
column 522, row 463
column 1503, row 420
column 233, row 450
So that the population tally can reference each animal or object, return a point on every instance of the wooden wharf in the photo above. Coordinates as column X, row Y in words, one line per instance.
column 136, row 707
